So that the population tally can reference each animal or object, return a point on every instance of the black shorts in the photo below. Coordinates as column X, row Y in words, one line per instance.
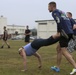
column 27, row 39
column 64, row 41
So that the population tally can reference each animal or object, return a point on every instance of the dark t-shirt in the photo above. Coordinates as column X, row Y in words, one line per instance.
column 63, row 23
column 5, row 35
column 26, row 32
column 72, row 23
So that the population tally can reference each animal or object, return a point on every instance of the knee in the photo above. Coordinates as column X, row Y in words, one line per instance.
column 39, row 56
column 58, row 50
column 70, row 56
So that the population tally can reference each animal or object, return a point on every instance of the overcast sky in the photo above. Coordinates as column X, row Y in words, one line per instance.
column 25, row 12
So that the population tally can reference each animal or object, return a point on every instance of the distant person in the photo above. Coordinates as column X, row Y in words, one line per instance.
column 73, row 23
column 72, row 43
column 27, row 34
column 5, row 37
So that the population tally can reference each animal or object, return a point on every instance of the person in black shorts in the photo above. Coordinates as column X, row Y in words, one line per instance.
column 5, row 37
column 27, row 34
column 64, row 28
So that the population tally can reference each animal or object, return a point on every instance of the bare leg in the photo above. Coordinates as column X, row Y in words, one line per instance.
column 39, row 59
column 7, row 43
column 59, row 56
column 68, row 56
column 3, row 42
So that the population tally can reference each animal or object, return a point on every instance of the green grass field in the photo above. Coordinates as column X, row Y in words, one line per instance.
column 11, row 63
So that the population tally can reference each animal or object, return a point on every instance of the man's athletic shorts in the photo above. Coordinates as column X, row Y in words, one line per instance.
column 64, row 41
column 71, row 45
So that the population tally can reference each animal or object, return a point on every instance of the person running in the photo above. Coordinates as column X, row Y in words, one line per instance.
column 63, row 26
column 72, row 43
column 5, row 37
column 32, row 48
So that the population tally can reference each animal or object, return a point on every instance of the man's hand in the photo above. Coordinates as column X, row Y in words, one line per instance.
column 57, row 35
column 27, row 34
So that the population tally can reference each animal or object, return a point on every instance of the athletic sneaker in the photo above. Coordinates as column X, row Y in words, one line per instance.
column 73, row 71
column 8, row 46
column 1, row 46
column 55, row 69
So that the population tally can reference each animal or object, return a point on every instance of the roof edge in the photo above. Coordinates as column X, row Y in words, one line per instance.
column 45, row 20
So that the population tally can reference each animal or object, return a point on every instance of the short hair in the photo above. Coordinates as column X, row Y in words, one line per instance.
column 69, row 13
column 53, row 3
column 20, row 49
column 27, row 26
column 4, row 26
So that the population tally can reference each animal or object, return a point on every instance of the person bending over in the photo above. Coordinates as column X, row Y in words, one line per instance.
column 32, row 48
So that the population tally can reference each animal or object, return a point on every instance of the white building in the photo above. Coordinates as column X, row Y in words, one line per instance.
column 3, row 22
column 15, row 28
column 46, row 28
column 11, row 28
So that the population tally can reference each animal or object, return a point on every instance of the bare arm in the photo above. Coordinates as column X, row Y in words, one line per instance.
column 24, row 60
column 28, row 33
column 56, row 35
column 74, row 27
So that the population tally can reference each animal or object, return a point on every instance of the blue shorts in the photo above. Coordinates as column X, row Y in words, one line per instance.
column 29, row 50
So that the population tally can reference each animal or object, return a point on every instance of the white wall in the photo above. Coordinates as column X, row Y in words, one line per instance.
column 46, row 28
column 3, row 22
column 13, row 28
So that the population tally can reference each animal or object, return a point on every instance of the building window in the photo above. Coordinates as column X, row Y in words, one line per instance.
column 42, row 23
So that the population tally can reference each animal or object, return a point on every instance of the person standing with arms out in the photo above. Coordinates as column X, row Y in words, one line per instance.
column 27, row 34
column 5, row 37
